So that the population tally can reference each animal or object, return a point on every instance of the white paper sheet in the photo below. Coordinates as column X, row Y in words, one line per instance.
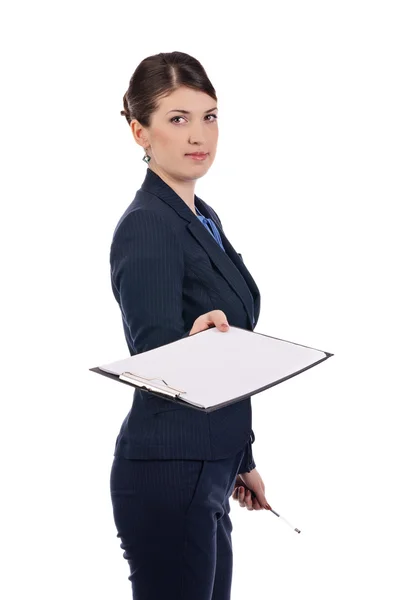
column 215, row 367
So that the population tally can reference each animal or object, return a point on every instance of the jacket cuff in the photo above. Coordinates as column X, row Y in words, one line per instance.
column 248, row 463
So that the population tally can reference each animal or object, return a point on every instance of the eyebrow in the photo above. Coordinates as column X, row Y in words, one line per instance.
column 187, row 112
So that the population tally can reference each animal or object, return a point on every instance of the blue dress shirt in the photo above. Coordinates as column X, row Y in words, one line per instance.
column 211, row 226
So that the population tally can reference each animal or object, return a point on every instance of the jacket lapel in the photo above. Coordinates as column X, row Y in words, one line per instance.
column 228, row 263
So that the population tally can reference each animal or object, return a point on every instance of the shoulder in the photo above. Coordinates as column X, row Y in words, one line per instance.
column 142, row 227
column 138, row 218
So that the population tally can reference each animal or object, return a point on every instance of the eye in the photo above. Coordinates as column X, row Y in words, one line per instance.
column 180, row 117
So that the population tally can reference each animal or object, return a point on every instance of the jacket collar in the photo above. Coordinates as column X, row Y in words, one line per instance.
column 228, row 263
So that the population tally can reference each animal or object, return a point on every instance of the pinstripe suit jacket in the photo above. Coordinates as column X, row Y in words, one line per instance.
column 166, row 270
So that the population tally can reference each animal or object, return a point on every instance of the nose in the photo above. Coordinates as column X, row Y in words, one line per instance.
column 196, row 135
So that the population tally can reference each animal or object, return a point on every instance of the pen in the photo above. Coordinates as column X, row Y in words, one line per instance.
column 287, row 522
column 278, row 515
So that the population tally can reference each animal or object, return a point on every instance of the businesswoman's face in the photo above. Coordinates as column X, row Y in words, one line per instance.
column 184, row 122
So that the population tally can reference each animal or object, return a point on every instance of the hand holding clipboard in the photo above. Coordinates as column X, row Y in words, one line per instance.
column 214, row 317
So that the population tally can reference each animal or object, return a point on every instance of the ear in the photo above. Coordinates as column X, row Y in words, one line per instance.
column 140, row 134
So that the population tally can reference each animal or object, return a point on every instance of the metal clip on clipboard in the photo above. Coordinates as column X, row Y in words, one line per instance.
column 143, row 382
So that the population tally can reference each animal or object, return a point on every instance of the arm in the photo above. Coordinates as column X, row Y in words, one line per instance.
column 147, row 272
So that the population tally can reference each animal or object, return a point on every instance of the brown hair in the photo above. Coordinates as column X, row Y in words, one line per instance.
column 159, row 75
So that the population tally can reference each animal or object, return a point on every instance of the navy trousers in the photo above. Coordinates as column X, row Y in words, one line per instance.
column 172, row 517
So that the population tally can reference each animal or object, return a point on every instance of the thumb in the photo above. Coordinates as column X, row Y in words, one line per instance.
column 261, row 499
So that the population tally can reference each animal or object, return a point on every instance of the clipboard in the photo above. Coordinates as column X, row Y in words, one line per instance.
column 212, row 369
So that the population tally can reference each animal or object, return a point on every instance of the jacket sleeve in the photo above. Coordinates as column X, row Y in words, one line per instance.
column 147, row 272
column 248, row 463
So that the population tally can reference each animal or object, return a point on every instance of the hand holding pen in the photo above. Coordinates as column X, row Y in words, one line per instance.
column 249, row 491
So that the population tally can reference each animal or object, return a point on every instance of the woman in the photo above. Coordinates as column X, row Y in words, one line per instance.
column 174, row 273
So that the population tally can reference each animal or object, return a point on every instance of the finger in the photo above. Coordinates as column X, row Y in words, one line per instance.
column 242, row 496
column 220, row 320
column 264, row 503
column 221, row 325
column 218, row 316
column 236, row 492
column 248, row 500
column 257, row 505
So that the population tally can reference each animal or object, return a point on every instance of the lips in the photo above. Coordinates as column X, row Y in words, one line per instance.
column 197, row 153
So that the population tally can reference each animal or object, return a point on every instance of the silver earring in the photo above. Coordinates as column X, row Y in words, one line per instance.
column 146, row 158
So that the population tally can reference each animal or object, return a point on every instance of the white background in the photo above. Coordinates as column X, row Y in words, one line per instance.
column 305, row 183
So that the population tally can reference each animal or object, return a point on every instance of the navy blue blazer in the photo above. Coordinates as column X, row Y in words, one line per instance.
column 167, row 270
